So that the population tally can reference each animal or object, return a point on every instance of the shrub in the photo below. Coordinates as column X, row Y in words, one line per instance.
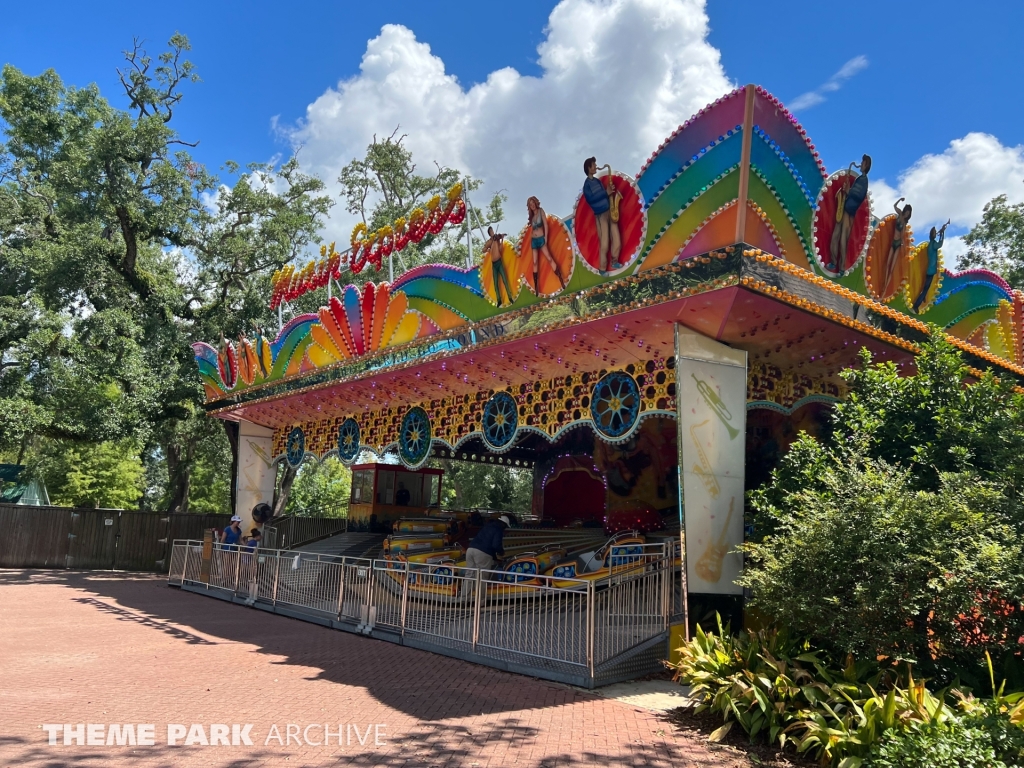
column 861, row 562
column 945, row 745
column 779, row 689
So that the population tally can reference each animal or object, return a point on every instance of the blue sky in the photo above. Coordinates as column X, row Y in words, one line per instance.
column 931, row 74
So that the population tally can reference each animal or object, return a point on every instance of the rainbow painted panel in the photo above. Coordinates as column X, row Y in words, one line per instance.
column 690, row 184
column 468, row 279
column 791, row 138
column 785, row 228
column 715, row 123
column 770, row 166
column 677, row 233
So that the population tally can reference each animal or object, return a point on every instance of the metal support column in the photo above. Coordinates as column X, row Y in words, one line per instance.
column 277, row 571
column 590, row 629
column 341, row 589
column 405, row 595
column 477, row 595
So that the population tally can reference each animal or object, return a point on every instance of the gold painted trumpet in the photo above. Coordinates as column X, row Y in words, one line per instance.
column 703, row 469
column 715, row 403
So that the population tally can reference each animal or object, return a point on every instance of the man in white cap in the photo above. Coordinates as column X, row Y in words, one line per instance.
column 487, row 546
column 233, row 533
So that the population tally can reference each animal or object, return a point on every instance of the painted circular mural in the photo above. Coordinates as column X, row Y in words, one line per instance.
column 414, row 437
column 837, row 207
column 615, row 406
column 886, row 271
column 295, row 446
column 348, row 441
column 500, row 419
column 552, row 241
column 630, row 229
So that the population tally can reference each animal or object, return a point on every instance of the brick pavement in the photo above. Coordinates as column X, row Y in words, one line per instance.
column 112, row 648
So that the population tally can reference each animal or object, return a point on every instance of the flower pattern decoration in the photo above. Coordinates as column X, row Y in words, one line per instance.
column 348, row 440
column 414, row 438
column 500, row 420
column 615, row 405
column 295, row 449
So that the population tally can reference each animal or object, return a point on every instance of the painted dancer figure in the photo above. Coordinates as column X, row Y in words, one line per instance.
column 899, row 234
column 495, row 246
column 848, row 205
column 539, row 242
column 935, row 240
column 601, row 203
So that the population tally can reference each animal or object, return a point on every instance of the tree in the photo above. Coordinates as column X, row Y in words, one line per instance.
column 866, row 564
column 321, row 489
column 384, row 186
column 108, row 475
column 931, row 422
column 997, row 242
column 113, row 260
column 468, row 485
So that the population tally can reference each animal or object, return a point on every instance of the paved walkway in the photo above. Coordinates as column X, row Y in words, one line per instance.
column 99, row 649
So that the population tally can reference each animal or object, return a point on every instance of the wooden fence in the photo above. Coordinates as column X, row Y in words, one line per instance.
column 63, row 537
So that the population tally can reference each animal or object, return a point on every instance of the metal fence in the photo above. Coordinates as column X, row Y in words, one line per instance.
column 293, row 531
column 575, row 630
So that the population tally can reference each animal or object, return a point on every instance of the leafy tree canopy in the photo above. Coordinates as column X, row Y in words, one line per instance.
column 117, row 251
column 997, row 241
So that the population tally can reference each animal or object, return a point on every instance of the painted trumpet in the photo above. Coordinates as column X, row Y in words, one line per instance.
column 703, row 469
column 715, row 403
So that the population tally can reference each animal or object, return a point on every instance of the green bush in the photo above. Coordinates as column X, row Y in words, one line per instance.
column 862, row 562
column 946, row 745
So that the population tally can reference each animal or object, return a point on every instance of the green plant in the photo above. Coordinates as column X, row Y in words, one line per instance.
column 779, row 689
column 863, row 562
column 1001, row 717
column 936, row 745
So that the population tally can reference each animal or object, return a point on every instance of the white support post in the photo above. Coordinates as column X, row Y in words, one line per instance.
column 256, row 477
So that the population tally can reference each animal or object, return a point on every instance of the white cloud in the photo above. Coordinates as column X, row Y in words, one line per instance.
column 834, row 83
column 955, row 185
column 617, row 77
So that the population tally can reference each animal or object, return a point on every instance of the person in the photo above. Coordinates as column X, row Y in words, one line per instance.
column 251, row 565
column 935, row 240
column 850, row 202
column 402, row 496
column 486, row 547
column 596, row 195
column 899, row 233
column 538, row 224
column 255, row 537
column 232, row 534
column 496, row 249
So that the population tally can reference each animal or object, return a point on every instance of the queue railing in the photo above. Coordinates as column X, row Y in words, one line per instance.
column 563, row 628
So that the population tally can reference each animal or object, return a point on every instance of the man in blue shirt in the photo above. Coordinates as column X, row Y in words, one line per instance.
column 487, row 545
column 596, row 195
